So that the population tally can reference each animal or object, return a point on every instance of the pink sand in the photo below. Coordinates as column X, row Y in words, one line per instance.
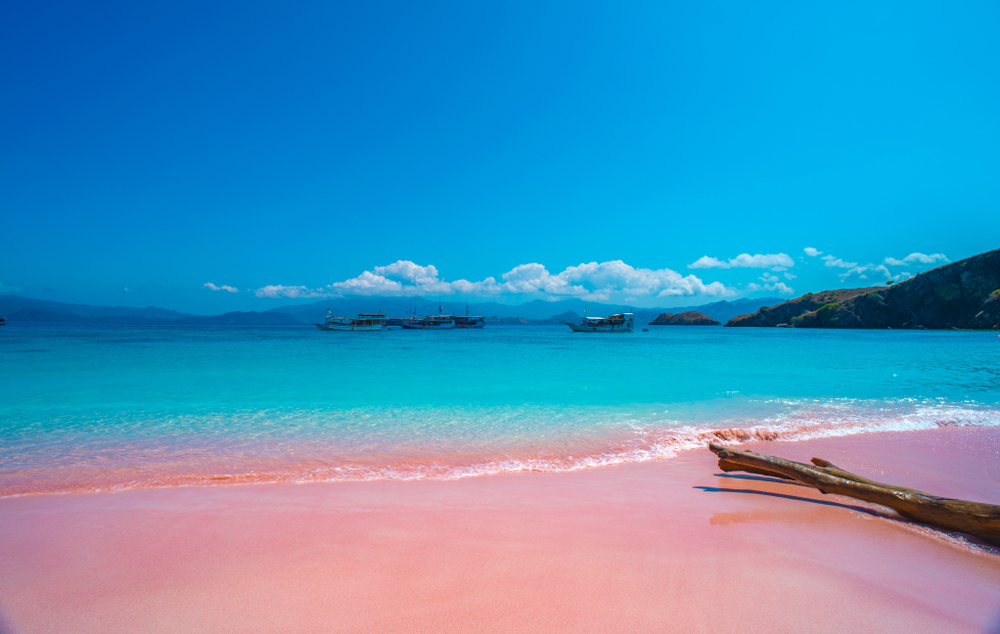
column 664, row 546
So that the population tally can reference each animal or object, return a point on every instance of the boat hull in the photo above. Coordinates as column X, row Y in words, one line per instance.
column 579, row 328
column 427, row 326
column 347, row 327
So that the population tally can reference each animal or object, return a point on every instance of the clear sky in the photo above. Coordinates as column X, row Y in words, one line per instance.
column 307, row 149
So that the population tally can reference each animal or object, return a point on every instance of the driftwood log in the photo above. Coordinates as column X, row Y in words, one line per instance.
column 973, row 518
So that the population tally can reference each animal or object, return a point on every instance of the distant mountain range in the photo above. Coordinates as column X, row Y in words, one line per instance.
column 25, row 309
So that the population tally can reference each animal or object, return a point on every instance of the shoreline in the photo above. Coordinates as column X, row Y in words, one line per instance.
column 150, row 466
column 660, row 545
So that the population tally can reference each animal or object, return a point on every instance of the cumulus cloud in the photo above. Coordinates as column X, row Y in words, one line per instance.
column 838, row 263
column 875, row 271
column 406, row 270
column 213, row 287
column 789, row 276
column 780, row 287
column 919, row 258
column 601, row 280
column 883, row 272
column 593, row 280
column 745, row 260
column 811, row 252
column 770, row 283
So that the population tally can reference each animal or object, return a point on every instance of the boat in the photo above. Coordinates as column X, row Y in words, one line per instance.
column 393, row 323
column 469, row 321
column 622, row 322
column 430, row 322
column 364, row 321
column 3, row 320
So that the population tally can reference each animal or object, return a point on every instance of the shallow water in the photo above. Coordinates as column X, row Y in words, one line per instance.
column 91, row 408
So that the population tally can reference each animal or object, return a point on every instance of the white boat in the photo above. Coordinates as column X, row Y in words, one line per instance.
column 364, row 321
column 622, row 322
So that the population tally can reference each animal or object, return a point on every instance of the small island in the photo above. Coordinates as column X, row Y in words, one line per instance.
column 690, row 318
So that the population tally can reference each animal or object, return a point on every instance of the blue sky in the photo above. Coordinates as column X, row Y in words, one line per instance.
column 579, row 149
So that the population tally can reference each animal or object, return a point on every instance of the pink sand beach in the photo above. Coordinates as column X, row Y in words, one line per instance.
column 667, row 545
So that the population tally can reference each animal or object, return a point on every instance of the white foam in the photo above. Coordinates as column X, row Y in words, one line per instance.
column 639, row 442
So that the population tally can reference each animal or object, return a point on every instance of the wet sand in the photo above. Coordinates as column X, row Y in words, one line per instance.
column 661, row 546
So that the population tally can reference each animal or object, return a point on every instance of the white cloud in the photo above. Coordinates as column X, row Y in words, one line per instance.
column 4, row 289
column 213, row 287
column 789, row 276
column 919, row 258
column 862, row 272
column 771, row 283
column 599, row 281
column 535, row 278
column 837, row 262
column 291, row 292
column 406, row 270
column 781, row 288
column 811, row 252
column 744, row 260
column 774, row 261
column 616, row 276
column 706, row 262
column 368, row 283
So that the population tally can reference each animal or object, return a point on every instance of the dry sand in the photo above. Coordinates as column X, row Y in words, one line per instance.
column 663, row 546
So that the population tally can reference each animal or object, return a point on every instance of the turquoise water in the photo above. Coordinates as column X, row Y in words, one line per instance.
column 87, row 408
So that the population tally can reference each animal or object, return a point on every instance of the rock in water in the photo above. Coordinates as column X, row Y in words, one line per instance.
column 690, row 318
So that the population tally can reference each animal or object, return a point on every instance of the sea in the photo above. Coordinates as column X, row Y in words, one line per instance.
column 98, row 408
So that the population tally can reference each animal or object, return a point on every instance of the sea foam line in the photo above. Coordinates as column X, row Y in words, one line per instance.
column 639, row 445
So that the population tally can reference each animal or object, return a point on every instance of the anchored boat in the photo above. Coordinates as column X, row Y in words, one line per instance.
column 469, row 321
column 622, row 322
column 430, row 322
column 364, row 321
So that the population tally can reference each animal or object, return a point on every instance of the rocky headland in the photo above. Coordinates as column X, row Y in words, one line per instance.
column 961, row 295
column 690, row 318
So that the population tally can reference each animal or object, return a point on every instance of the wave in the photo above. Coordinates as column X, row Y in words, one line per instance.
column 168, row 466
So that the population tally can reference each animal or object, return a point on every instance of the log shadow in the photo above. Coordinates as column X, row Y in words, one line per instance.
column 797, row 498
column 758, row 478
column 888, row 514
column 5, row 626
column 993, row 627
